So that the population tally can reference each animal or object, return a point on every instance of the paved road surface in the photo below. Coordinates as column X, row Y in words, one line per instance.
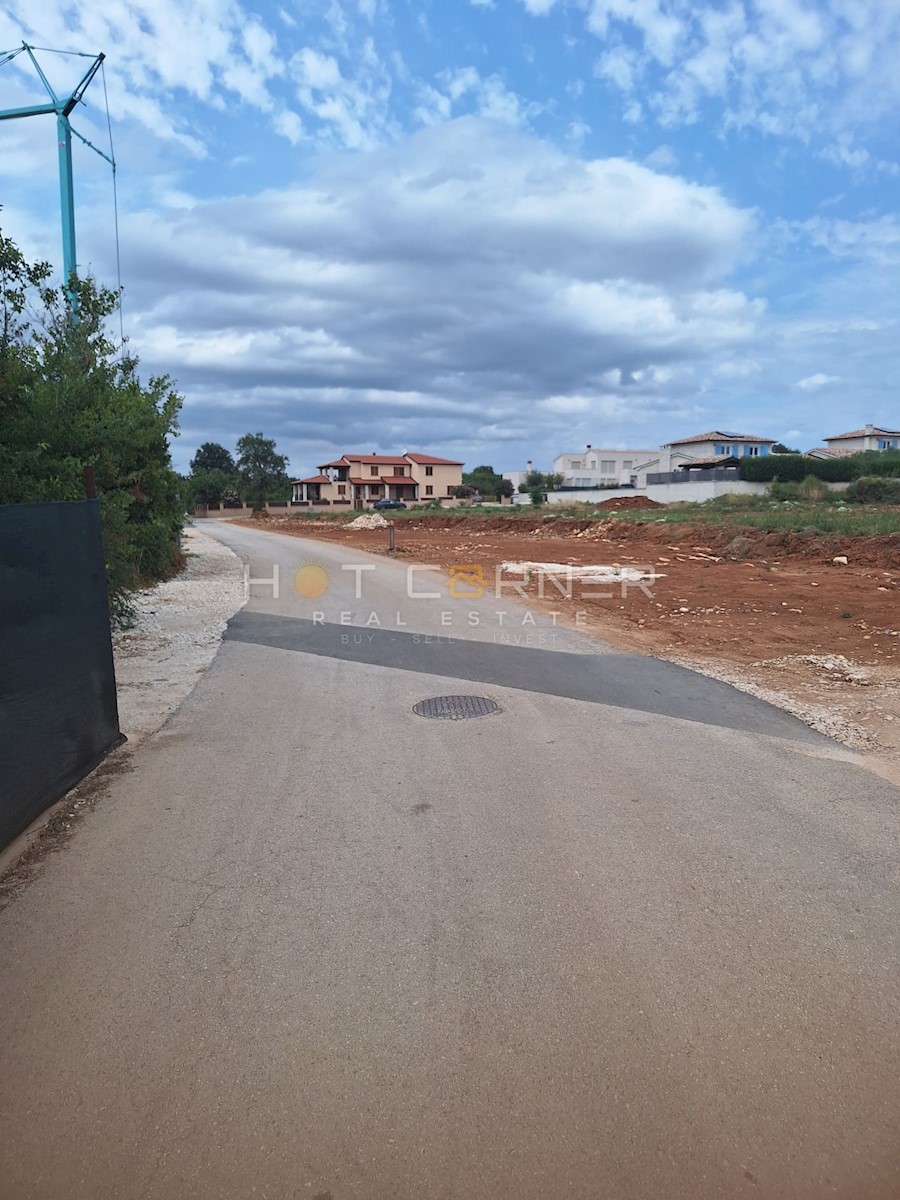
column 634, row 936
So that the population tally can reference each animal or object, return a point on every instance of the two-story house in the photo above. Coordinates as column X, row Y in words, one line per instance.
column 593, row 467
column 870, row 438
column 361, row 479
column 719, row 445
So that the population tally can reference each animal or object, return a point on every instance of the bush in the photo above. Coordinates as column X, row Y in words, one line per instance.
column 874, row 489
column 70, row 399
column 813, row 488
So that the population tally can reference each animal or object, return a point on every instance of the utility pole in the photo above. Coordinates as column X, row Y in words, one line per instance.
column 62, row 107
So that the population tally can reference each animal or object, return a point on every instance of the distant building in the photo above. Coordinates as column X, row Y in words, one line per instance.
column 599, row 468
column 870, row 438
column 722, row 445
column 361, row 479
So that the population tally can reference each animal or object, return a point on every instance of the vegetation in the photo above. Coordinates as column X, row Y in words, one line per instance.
column 71, row 398
column 262, row 469
column 793, row 468
column 462, row 491
column 781, row 448
column 213, row 457
column 874, row 489
column 790, row 516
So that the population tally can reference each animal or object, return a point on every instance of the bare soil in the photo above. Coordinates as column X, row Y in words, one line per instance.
column 771, row 612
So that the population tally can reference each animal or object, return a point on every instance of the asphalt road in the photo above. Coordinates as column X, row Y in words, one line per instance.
column 632, row 936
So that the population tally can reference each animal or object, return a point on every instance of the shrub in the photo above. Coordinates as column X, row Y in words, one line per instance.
column 813, row 488
column 874, row 489
column 70, row 399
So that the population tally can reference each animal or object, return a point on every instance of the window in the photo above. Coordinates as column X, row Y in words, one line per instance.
column 401, row 470
column 429, row 490
column 627, row 464
column 374, row 489
column 720, row 449
column 342, row 489
column 607, row 466
column 887, row 444
column 429, row 470
column 373, row 469
column 577, row 464
column 751, row 451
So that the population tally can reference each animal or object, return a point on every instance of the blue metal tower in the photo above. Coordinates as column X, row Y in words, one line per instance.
column 62, row 107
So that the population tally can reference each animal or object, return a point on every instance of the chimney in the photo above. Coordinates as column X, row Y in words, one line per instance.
column 589, row 446
column 528, row 465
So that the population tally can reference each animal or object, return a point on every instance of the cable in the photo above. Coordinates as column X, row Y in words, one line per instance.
column 72, row 53
column 112, row 155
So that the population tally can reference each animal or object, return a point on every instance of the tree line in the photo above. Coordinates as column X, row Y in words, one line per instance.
column 255, row 474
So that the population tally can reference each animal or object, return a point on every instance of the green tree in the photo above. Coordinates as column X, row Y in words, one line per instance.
column 505, row 488
column 262, row 469
column 532, row 481
column 781, row 448
column 70, row 398
column 213, row 457
column 215, row 487
column 484, row 480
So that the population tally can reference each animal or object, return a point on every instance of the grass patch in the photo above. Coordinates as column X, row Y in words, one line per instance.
column 759, row 512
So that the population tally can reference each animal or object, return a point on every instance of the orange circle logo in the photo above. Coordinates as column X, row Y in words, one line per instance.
column 311, row 581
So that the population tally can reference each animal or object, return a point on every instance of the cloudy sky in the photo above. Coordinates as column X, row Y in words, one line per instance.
column 488, row 229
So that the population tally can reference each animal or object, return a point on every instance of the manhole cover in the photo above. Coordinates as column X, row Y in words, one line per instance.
column 455, row 708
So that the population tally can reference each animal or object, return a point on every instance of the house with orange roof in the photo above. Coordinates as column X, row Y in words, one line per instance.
column 359, row 480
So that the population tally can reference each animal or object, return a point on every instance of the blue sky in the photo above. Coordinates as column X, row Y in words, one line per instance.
column 494, row 230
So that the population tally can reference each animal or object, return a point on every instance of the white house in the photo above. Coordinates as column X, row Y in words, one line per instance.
column 592, row 467
column 717, row 444
column 870, row 438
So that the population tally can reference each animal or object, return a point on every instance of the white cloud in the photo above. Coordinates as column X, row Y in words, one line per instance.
column 663, row 158
column 289, row 125
column 443, row 285
column 539, row 8
column 791, row 69
column 813, row 383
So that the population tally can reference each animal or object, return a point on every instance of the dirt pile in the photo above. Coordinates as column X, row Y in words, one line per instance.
column 620, row 502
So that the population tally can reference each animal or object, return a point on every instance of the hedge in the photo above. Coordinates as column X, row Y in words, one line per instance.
column 794, row 468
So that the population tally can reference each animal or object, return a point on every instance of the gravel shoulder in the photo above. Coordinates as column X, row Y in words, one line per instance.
column 176, row 634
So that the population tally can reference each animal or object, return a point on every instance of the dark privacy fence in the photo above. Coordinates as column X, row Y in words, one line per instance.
column 58, row 715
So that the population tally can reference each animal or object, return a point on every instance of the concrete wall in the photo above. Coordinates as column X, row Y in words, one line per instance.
column 664, row 493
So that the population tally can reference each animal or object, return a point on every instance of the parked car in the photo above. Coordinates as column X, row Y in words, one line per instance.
column 383, row 504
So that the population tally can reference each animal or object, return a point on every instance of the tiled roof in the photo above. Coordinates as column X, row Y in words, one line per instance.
column 868, row 432
column 408, row 479
column 375, row 460
column 716, row 435
column 428, row 460
column 314, row 479
column 361, row 482
column 338, row 462
column 714, row 460
column 827, row 452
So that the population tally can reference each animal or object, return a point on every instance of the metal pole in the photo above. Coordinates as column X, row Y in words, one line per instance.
column 67, row 206
column 391, row 536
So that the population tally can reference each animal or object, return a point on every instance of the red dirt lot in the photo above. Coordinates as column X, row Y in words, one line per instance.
column 771, row 612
